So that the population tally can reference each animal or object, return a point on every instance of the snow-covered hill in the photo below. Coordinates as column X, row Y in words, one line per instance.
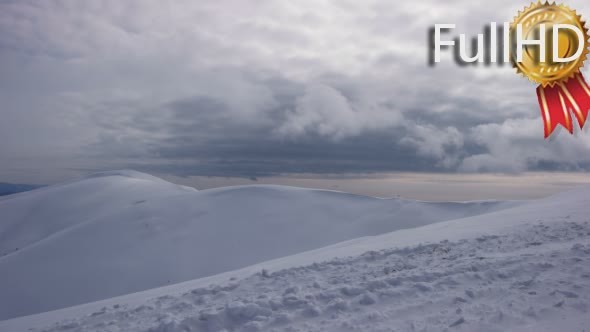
column 525, row 268
column 116, row 233
column 29, row 217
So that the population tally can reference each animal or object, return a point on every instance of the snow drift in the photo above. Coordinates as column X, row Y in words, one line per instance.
column 115, row 233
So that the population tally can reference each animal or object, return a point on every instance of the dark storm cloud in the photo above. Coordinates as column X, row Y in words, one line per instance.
column 255, row 88
column 203, row 136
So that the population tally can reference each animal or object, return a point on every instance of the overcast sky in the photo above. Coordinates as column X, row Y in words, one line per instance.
column 262, row 89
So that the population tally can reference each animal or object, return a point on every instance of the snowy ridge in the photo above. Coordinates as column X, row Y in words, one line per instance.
column 124, row 173
column 29, row 217
column 124, row 232
column 520, row 269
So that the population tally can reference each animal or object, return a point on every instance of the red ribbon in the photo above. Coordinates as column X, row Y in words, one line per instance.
column 557, row 101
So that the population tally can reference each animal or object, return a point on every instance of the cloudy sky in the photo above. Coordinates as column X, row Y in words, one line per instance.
column 266, row 90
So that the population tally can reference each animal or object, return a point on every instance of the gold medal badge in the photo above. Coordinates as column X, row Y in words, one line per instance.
column 561, row 85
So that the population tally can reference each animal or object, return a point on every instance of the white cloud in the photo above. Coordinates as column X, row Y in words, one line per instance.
column 439, row 143
column 325, row 111
column 515, row 145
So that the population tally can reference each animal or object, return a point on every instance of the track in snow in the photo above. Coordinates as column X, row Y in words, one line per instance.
column 535, row 276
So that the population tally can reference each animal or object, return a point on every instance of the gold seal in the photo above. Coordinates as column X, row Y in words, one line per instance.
column 549, row 73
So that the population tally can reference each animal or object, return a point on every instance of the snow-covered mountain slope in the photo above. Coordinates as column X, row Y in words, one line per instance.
column 120, row 232
column 524, row 268
column 29, row 217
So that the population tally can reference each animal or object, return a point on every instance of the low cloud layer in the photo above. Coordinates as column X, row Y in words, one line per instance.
column 257, row 88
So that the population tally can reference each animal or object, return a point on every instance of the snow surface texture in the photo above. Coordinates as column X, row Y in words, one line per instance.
column 521, row 269
column 115, row 233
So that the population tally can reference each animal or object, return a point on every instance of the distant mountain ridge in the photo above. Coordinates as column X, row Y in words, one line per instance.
column 15, row 188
